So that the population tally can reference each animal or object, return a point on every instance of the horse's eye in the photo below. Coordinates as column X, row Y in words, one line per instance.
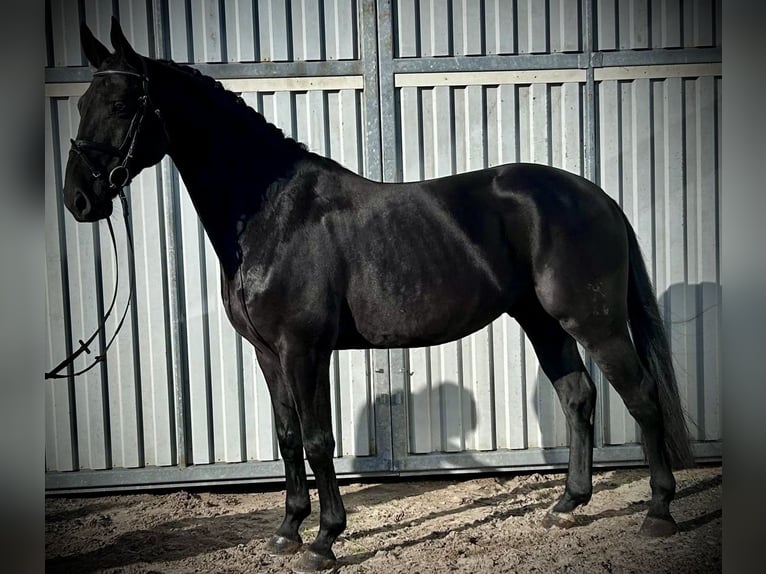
column 119, row 107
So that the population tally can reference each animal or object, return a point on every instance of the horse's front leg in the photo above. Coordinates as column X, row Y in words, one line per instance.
column 307, row 372
column 297, row 503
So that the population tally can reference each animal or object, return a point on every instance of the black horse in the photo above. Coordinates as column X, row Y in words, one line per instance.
column 316, row 258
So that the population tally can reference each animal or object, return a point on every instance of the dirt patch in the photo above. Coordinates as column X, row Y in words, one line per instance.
column 488, row 524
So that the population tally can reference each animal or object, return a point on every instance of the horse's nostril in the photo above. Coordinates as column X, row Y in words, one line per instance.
column 81, row 203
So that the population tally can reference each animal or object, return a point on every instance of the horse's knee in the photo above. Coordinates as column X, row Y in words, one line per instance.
column 319, row 446
column 290, row 446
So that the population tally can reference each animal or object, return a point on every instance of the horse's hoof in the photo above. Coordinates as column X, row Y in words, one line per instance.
column 658, row 527
column 559, row 519
column 280, row 545
column 311, row 561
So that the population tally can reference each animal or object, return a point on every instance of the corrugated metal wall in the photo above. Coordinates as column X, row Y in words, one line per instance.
column 587, row 86
column 427, row 28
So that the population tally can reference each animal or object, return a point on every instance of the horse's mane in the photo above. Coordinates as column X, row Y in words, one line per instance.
column 266, row 133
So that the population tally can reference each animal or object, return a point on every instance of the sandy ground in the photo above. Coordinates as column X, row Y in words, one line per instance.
column 486, row 524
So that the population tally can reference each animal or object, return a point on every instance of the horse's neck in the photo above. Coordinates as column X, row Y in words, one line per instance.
column 225, row 167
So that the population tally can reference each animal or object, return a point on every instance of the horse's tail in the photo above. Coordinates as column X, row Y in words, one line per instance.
column 653, row 348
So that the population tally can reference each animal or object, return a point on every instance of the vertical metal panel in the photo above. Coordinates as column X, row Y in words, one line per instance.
column 698, row 326
column 467, row 28
column 65, row 18
column 260, row 438
column 199, row 407
column 151, row 330
column 85, row 305
column 123, row 376
column 533, row 27
column 178, row 34
column 565, row 26
column 241, row 30
column 59, row 410
column 206, row 25
column 658, row 159
column 275, row 30
column 135, row 20
column 307, row 44
column 426, row 28
column 509, row 384
column 500, row 27
column 639, row 24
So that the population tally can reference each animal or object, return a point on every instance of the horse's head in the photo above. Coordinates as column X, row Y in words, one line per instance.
column 120, row 130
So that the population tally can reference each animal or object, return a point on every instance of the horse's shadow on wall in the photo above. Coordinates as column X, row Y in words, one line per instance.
column 444, row 438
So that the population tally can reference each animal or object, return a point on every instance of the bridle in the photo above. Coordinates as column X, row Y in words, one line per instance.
column 119, row 176
column 117, row 179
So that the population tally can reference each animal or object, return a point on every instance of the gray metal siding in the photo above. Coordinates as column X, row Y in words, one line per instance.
column 428, row 28
column 265, row 31
column 641, row 24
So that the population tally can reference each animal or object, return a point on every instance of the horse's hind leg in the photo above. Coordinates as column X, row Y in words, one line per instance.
column 297, row 502
column 560, row 360
column 613, row 351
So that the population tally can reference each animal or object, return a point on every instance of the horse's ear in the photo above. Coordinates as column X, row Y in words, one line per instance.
column 122, row 47
column 94, row 50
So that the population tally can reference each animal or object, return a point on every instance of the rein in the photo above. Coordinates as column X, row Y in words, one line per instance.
column 84, row 345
